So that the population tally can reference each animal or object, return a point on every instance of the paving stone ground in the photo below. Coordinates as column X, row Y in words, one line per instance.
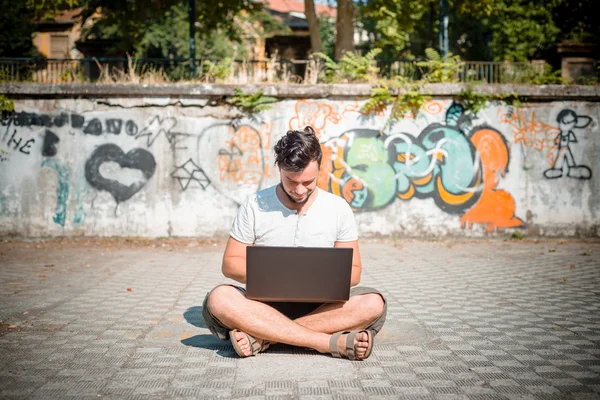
column 470, row 319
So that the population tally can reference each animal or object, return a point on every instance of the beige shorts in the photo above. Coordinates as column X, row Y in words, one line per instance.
column 291, row 310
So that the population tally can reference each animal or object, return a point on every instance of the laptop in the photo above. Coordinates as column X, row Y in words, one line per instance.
column 298, row 274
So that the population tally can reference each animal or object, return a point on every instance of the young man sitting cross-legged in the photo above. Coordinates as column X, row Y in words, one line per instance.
column 294, row 213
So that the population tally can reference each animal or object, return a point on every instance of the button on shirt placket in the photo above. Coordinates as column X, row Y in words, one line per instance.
column 298, row 218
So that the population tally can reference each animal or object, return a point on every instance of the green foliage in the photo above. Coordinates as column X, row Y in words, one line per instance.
column 48, row 9
column 216, row 71
column 160, row 28
column 392, row 22
column 437, row 69
column 330, row 69
column 516, row 235
column 400, row 94
column 511, row 99
column 327, row 33
column 252, row 103
column 17, row 30
column 577, row 20
column 352, row 67
column 6, row 104
column 521, row 29
column 472, row 101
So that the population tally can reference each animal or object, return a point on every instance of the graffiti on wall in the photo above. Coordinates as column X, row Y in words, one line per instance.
column 62, row 191
column 245, row 159
column 95, row 126
column 49, row 146
column 163, row 126
column 457, row 170
column 315, row 114
column 189, row 172
column 443, row 156
column 528, row 130
column 563, row 157
column 555, row 141
column 136, row 159
column 17, row 142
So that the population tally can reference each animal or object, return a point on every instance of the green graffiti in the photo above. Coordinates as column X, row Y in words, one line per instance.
column 441, row 163
column 62, row 192
column 81, row 190
column 3, row 208
column 367, row 161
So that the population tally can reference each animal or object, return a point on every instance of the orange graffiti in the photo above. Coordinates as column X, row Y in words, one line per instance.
column 326, row 168
column 379, row 112
column 529, row 131
column 332, row 165
column 314, row 114
column 496, row 208
column 455, row 199
column 246, row 156
column 349, row 187
column 433, row 107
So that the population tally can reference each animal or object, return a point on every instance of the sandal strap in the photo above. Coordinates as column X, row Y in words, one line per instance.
column 350, row 345
column 256, row 346
column 333, row 343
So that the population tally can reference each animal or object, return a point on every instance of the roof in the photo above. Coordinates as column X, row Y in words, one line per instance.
column 286, row 6
column 64, row 18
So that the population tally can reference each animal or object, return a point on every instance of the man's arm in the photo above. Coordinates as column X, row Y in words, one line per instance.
column 356, row 263
column 234, row 260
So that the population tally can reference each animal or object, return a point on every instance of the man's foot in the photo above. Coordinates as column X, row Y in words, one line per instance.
column 361, row 344
column 354, row 345
column 246, row 345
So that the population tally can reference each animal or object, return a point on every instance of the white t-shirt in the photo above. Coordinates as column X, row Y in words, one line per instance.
column 263, row 220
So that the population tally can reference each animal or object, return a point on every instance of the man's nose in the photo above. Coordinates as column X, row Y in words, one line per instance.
column 300, row 190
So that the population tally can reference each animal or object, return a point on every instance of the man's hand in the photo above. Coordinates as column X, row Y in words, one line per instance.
column 356, row 263
column 234, row 260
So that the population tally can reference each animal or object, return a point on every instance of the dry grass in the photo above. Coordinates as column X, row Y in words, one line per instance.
column 147, row 75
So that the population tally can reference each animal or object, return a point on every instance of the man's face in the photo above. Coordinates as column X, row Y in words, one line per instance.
column 298, row 186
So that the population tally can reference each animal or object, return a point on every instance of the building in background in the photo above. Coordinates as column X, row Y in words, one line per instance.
column 56, row 38
column 294, row 46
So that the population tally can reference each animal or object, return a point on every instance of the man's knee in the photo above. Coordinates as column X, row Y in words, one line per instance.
column 372, row 304
column 222, row 298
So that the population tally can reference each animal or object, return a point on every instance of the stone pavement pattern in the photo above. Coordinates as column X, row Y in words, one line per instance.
column 473, row 319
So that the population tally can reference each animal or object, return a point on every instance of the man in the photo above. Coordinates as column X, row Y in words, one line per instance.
column 294, row 213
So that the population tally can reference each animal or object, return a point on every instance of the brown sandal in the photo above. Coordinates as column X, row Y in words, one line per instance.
column 350, row 353
column 254, row 345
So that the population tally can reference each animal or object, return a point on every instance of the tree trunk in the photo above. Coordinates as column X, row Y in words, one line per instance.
column 313, row 26
column 344, row 25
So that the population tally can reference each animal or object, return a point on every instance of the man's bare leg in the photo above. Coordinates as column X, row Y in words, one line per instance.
column 356, row 313
column 264, row 322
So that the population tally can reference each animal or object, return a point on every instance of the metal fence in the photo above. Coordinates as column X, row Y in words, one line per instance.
column 237, row 71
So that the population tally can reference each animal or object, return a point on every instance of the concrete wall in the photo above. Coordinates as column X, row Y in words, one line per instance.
column 142, row 161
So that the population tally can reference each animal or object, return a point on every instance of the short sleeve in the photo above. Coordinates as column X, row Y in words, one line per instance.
column 347, row 230
column 242, row 228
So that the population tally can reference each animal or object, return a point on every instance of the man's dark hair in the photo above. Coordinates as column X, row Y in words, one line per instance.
column 296, row 149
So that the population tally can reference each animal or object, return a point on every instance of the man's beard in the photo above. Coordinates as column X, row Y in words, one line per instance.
column 290, row 198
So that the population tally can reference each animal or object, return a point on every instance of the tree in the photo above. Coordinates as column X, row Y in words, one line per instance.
column 130, row 21
column 511, row 30
column 577, row 20
column 17, row 30
column 344, row 26
column 522, row 29
column 313, row 26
